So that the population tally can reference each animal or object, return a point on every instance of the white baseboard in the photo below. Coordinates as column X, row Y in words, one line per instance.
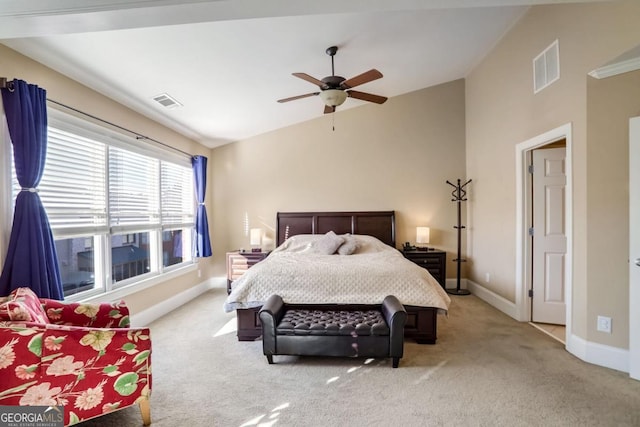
column 218, row 282
column 144, row 318
column 504, row 305
column 599, row 354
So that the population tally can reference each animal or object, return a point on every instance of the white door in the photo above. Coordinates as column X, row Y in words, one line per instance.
column 634, row 248
column 549, row 236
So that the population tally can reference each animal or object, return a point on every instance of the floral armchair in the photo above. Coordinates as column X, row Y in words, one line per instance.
column 84, row 357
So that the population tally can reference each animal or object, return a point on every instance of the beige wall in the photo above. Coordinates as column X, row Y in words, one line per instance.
column 69, row 92
column 395, row 156
column 502, row 111
column 610, row 104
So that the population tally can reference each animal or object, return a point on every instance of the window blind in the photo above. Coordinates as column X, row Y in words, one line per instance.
column 134, row 193
column 73, row 185
column 177, row 191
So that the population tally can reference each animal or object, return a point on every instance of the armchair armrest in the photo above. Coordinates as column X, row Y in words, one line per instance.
column 101, row 315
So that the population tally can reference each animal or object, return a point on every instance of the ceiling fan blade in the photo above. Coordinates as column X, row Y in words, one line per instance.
column 366, row 96
column 363, row 78
column 293, row 98
column 328, row 109
column 307, row 77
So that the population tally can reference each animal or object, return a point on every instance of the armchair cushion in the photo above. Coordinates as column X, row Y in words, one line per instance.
column 22, row 304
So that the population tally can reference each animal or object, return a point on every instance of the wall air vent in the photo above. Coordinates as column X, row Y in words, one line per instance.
column 546, row 67
column 166, row 101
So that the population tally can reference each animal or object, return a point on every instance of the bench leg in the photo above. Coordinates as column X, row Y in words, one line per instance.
column 396, row 362
column 270, row 359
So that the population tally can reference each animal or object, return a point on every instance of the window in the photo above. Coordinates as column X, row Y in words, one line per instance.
column 134, row 184
column 120, row 210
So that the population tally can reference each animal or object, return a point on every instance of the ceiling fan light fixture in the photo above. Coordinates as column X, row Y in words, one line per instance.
column 333, row 97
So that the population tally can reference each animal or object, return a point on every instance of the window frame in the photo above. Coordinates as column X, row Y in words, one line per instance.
column 101, row 236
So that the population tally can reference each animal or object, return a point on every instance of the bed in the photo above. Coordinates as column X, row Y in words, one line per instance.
column 304, row 270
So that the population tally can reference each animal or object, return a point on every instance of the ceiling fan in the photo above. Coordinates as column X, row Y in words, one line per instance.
column 334, row 90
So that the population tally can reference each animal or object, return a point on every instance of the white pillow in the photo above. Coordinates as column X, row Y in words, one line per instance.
column 298, row 243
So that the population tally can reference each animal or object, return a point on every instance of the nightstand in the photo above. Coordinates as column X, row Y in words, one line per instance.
column 239, row 262
column 434, row 261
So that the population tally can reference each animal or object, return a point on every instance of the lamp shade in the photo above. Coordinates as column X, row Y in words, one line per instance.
column 422, row 234
column 333, row 97
column 256, row 236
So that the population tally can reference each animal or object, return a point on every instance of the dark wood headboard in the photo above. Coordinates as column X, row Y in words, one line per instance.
column 379, row 224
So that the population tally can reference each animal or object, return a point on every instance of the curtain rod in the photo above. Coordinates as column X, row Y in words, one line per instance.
column 4, row 84
column 137, row 135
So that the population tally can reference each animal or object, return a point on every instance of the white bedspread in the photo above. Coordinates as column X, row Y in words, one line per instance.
column 301, row 275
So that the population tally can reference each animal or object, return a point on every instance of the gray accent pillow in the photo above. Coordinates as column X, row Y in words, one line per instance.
column 328, row 244
column 349, row 246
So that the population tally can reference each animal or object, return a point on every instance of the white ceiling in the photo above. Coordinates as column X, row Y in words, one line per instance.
column 228, row 61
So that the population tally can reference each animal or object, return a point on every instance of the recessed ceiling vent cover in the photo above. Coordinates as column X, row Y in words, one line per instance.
column 166, row 101
column 546, row 67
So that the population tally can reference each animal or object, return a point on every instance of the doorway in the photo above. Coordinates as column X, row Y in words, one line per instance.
column 524, row 218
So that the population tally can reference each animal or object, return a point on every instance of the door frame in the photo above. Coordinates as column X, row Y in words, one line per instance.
column 634, row 289
column 523, row 219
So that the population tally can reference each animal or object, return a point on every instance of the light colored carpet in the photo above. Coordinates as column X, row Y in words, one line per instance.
column 485, row 370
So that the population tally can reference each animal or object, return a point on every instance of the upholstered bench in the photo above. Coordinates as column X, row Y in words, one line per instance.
column 333, row 330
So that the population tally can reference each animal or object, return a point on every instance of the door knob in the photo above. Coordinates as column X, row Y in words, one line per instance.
column 638, row 262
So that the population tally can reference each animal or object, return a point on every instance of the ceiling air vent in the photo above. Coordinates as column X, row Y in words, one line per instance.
column 166, row 101
column 546, row 67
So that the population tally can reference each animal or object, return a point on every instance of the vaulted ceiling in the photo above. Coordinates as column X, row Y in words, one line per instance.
column 228, row 61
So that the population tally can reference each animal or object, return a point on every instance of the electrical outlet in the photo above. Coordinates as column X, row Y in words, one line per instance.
column 604, row 324
column 487, row 277
column 199, row 273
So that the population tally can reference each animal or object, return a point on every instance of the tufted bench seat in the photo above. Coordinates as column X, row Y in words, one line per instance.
column 333, row 330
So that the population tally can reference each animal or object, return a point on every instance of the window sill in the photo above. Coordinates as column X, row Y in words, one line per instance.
column 121, row 292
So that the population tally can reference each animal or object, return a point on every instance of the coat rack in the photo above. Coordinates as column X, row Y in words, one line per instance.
column 459, row 196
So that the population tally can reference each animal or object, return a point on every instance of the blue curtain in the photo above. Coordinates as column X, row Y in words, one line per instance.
column 31, row 256
column 202, row 244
